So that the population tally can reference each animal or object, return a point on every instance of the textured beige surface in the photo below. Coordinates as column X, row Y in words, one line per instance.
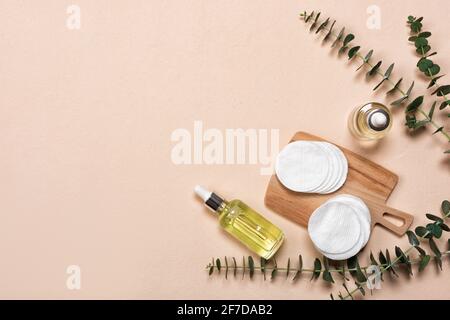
column 85, row 124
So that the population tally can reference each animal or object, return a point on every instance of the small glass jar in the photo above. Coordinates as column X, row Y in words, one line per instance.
column 372, row 121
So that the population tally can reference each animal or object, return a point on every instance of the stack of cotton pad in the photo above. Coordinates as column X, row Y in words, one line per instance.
column 340, row 227
column 311, row 167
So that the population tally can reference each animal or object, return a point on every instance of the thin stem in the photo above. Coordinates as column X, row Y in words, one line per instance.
column 379, row 72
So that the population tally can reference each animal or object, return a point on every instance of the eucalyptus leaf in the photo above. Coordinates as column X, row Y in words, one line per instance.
column 317, row 269
column 434, row 229
column 420, row 42
column 323, row 25
column 444, row 104
column 388, row 72
column 442, row 90
column 395, row 86
column 412, row 38
column 366, row 59
column 330, row 32
column 432, row 217
column 434, row 81
column 299, row 269
column 438, row 261
column 433, row 70
column 263, row 267
column 288, row 268
column 421, row 232
column 431, row 113
column 424, row 64
column 412, row 238
column 438, row 130
column 420, row 250
column 234, row 267
column 445, row 207
column 226, row 268
column 353, row 51
column 435, row 248
column 425, row 34
column 373, row 261
column 339, row 37
column 374, row 69
column 218, row 265
column 379, row 84
column 211, row 270
column 415, row 104
column 445, row 227
column 424, row 262
column 309, row 17
column 327, row 276
column 348, row 39
column 274, row 270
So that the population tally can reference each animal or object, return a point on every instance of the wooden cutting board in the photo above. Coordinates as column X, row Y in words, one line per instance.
column 366, row 179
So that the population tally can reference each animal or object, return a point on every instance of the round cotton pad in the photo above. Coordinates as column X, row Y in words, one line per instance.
column 334, row 228
column 335, row 171
column 302, row 166
column 344, row 167
column 362, row 211
column 347, row 254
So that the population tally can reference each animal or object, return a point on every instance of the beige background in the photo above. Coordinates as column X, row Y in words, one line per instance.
column 85, row 124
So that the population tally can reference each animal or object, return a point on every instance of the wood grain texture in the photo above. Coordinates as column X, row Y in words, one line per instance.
column 366, row 179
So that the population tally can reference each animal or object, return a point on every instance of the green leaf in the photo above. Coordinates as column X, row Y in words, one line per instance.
column 444, row 105
column 218, row 265
column 445, row 207
column 416, row 26
column 435, row 248
column 388, row 72
column 434, row 229
column 309, row 17
column 243, row 267
column 448, row 151
column 413, row 106
column 379, row 84
column 348, row 39
column 425, row 34
column 424, row 262
column 263, row 263
column 395, row 87
column 431, row 113
column 412, row 39
column 317, row 269
column 211, row 269
column 366, row 59
column 339, row 37
column 288, row 269
column 420, row 42
column 411, row 121
column 234, row 267
column 442, row 90
column 374, row 69
column 434, row 81
column 382, row 258
column 391, row 268
column 313, row 25
column 226, row 268
column 410, row 19
column 352, row 52
column 330, row 32
column 433, row 70
column 300, row 267
column 408, row 93
column 412, row 238
column 420, row 250
column 438, row 130
column 403, row 259
column 327, row 276
column 421, row 232
column 373, row 261
column 434, row 218
column 251, row 266
column 445, row 227
column 274, row 270
column 424, row 64
column 438, row 262
column 323, row 25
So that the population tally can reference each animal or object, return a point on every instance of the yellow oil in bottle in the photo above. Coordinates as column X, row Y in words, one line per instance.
column 243, row 223
column 371, row 121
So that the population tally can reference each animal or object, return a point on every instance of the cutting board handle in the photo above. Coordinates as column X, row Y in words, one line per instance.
column 379, row 211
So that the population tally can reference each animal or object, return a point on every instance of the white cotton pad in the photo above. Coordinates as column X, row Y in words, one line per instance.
column 362, row 211
column 334, row 228
column 343, row 167
column 347, row 254
column 302, row 166
column 335, row 170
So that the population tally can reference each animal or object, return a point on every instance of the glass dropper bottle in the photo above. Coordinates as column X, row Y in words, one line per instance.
column 243, row 223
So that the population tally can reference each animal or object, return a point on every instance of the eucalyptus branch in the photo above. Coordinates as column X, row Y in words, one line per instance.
column 375, row 69
column 431, row 231
column 350, row 268
column 426, row 65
